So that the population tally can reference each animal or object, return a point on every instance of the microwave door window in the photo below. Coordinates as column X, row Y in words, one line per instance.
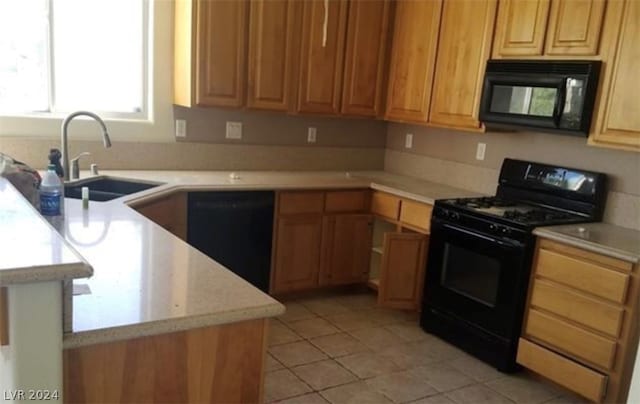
column 524, row 100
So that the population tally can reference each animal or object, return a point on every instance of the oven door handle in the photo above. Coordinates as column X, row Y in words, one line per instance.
column 508, row 244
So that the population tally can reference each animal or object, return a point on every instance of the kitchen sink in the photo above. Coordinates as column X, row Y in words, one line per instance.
column 105, row 189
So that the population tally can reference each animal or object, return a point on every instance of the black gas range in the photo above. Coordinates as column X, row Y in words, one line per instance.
column 480, row 254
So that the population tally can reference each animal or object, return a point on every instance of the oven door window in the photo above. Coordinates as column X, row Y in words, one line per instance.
column 475, row 276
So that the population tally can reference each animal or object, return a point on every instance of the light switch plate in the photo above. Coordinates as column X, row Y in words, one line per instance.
column 311, row 134
column 482, row 148
column 408, row 141
column 181, row 128
column 234, row 130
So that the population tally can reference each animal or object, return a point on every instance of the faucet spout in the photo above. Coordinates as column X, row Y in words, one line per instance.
column 64, row 137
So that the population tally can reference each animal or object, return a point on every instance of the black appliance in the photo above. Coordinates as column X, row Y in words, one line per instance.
column 480, row 254
column 548, row 95
column 235, row 229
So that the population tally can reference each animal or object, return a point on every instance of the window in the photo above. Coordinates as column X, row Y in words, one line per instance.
column 58, row 56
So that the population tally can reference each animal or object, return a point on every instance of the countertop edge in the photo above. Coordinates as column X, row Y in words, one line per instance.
column 46, row 273
column 79, row 339
column 586, row 245
column 400, row 193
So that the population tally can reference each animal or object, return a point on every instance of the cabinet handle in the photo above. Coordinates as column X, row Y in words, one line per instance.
column 325, row 23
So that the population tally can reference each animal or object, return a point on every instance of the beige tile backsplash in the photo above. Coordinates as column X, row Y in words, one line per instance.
column 199, row 156
column 622, row 209
column 273, row 141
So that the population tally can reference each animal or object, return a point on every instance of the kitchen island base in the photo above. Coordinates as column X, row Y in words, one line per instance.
column 216, row 364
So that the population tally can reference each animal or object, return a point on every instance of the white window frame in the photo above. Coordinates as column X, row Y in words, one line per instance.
column 145, row 113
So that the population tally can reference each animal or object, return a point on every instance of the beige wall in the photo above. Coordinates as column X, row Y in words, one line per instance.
column 448, row 156
column 277, row 128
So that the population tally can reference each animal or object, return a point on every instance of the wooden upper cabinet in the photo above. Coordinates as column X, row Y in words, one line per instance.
column 520, row 28
column 322, row 56
column 617, row 118
column 365, row 57
column 346, row 248
column 209, row 54
column 413, row 55
column 402, row 271
column 574, row 27
column 466, row 34
column 271, row 37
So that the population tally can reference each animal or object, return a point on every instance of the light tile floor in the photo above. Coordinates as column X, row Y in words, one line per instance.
column 341, row 348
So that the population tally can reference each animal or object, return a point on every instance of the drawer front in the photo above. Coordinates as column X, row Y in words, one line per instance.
column 346, row 201
column 385, row 205
column 588, row 311
column 571, row 339
column 300, row 202
column 583, row 275
column 586, row 255
column 416, row 214
column 561, row 370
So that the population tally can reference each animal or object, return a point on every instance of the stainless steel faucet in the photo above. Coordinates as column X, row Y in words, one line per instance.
column 65, row 145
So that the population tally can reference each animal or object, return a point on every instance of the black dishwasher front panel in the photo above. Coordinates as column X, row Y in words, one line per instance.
column 234, row 228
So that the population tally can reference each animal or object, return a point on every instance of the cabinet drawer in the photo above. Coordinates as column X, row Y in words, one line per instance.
column 346, row 201
column 385, row 205
column 571, row 339
column 588, row 256
column 561, row 370
column 588, row 311
column 300, row 202
column 416, row 214
column 583, row 275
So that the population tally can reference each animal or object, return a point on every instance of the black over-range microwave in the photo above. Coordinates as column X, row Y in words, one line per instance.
column 547, row 95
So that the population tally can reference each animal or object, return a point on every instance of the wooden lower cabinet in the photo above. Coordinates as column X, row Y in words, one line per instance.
column 322, row 238
column 169, row 212
column 402, row 270
column 217, row 364
column 346, row 249
column 297, row 253
column 579, row 325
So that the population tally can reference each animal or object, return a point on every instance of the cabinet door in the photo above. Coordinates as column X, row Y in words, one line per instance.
column 220, row 59
column 271, row 29
column 413, row 54
column 465, row 42
column 520, row 28
column 346, row 248
column 402, row 270
column 322, row 55
column 169, row 213
column 575, row 27
column 365, row 55
column 297, row 258
column 618, row 120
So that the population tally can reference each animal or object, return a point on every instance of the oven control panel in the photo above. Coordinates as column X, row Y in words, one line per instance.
column 487, row 226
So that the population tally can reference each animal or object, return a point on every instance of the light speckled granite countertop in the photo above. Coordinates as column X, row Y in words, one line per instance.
column 148, row 281
column 600, row 238
column 30, row 249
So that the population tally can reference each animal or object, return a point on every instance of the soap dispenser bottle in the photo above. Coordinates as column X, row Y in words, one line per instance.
column 54, row 159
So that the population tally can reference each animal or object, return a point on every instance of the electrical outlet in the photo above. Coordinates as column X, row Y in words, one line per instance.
column 311, row 134
column 234, row 130
column 482, row 148
column 408, row 141
column 181, row 128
